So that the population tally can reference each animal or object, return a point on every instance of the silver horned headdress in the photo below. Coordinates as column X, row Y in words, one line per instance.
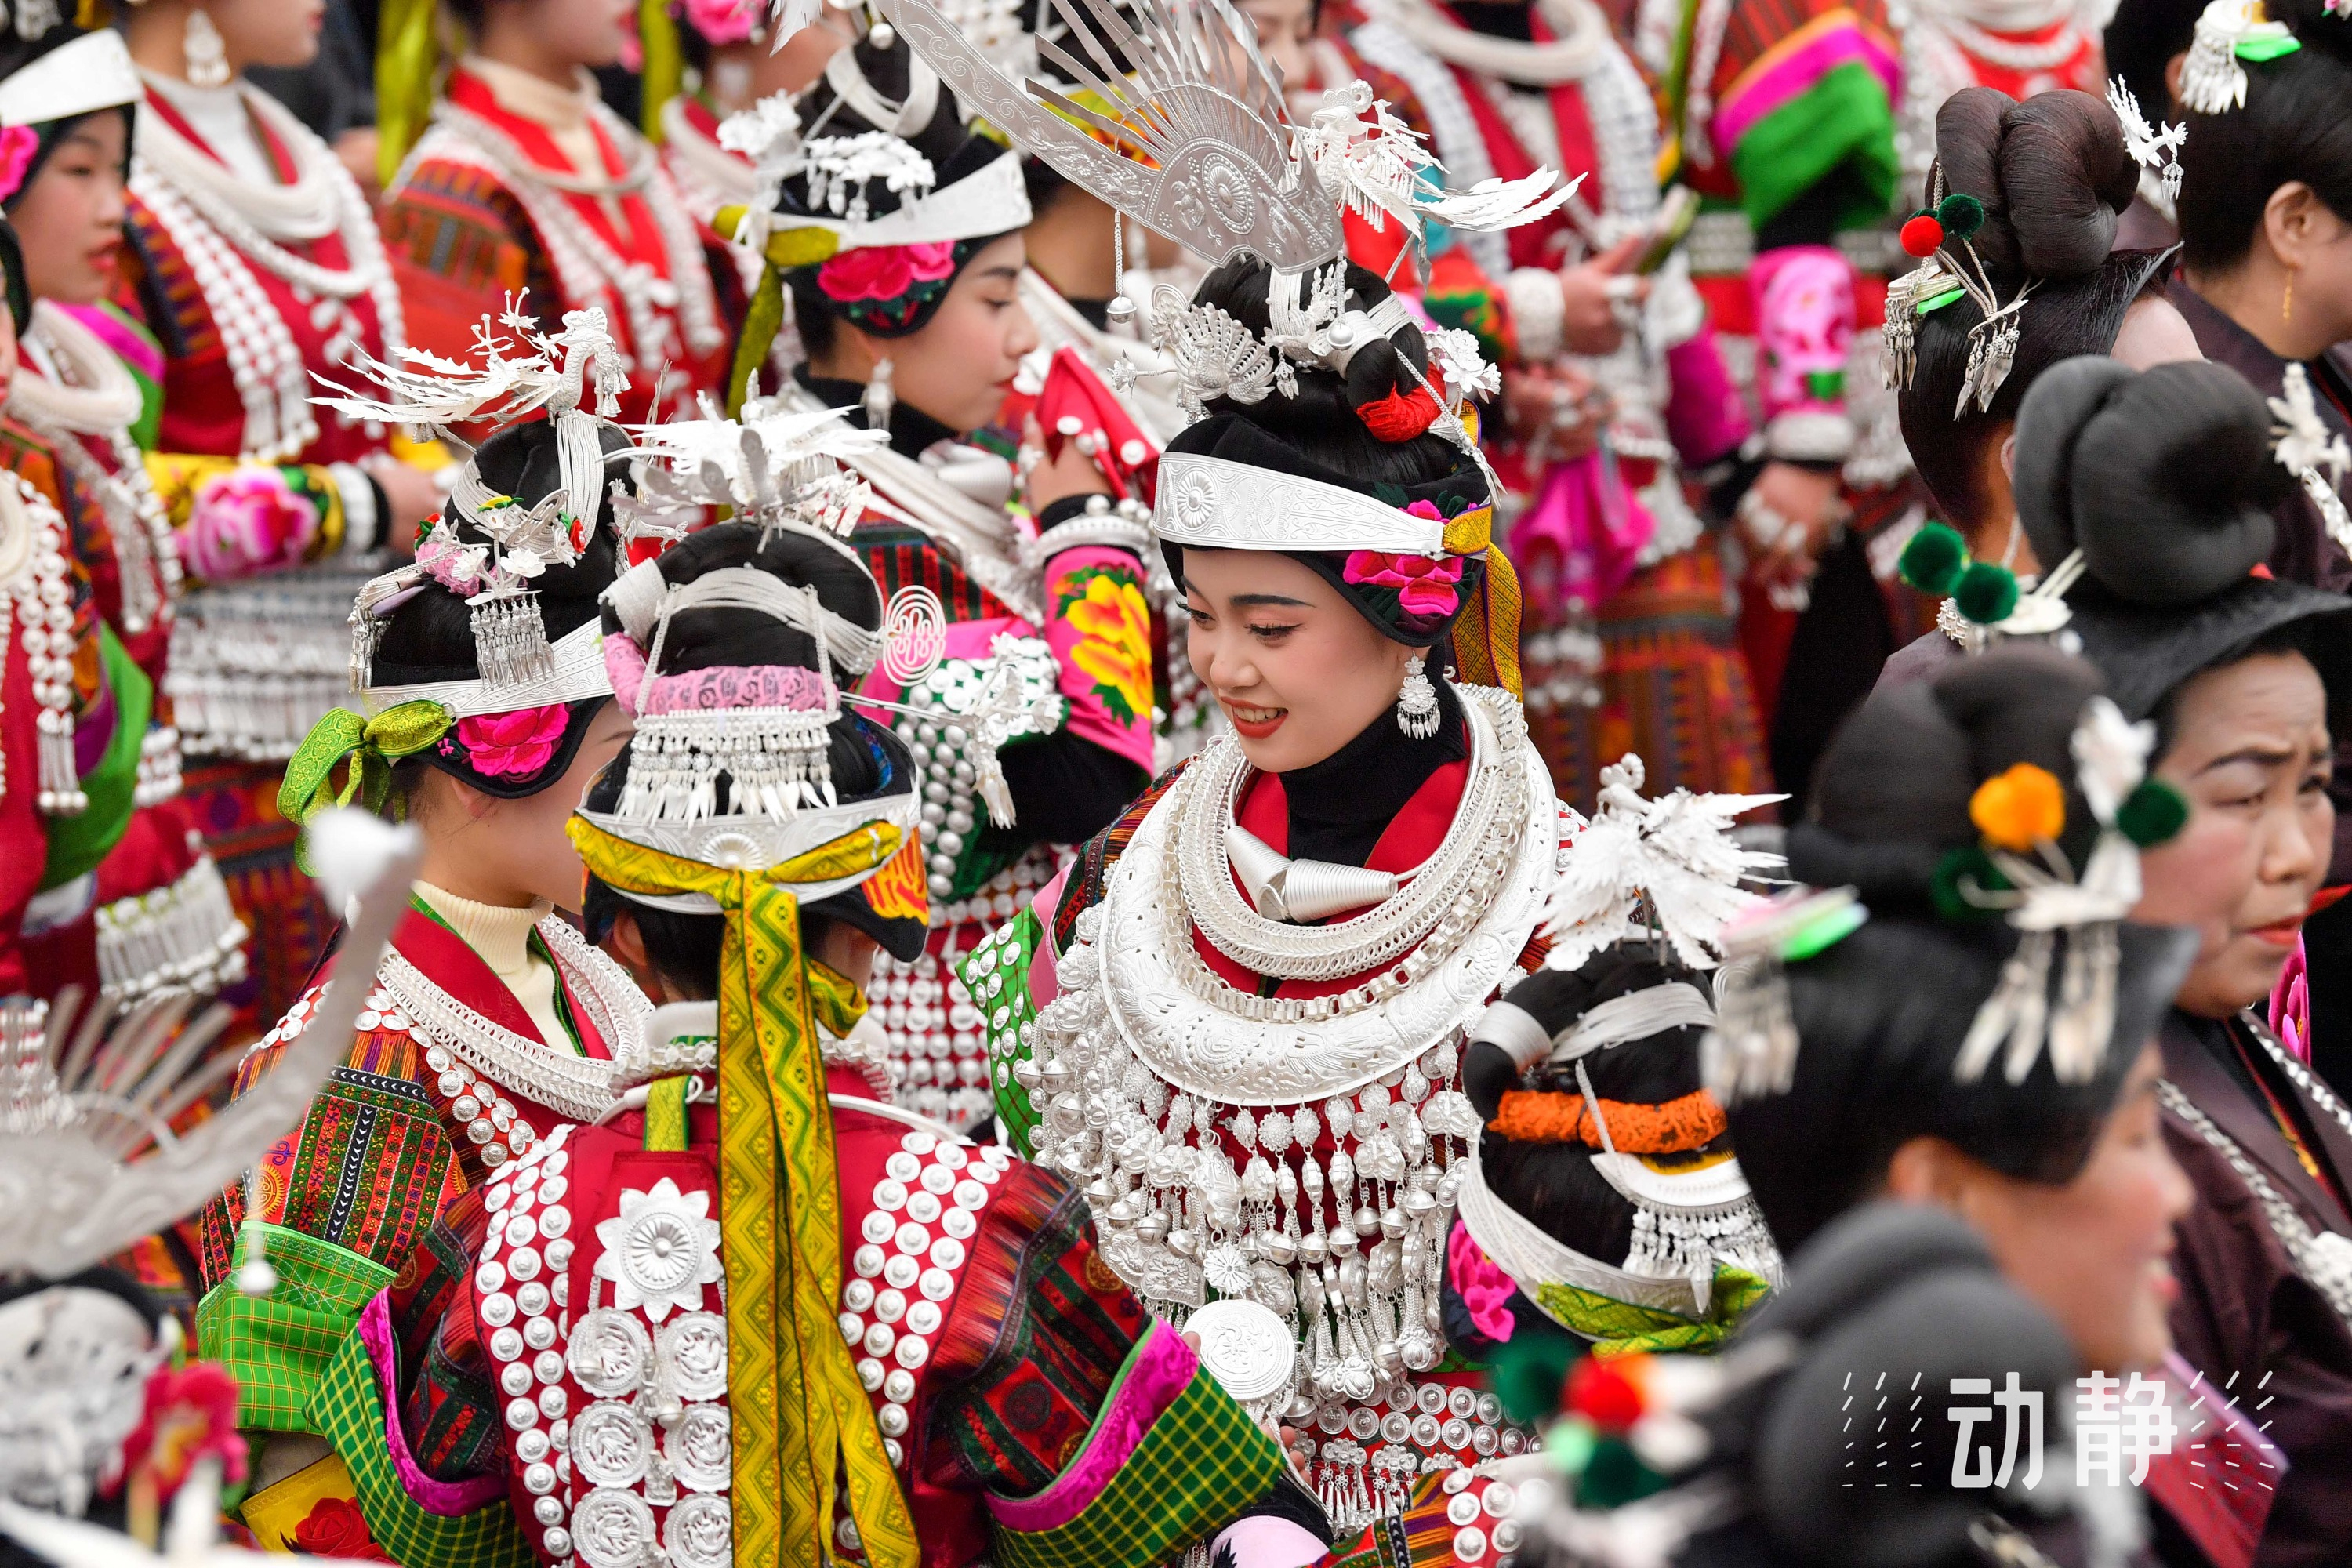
column 523, row 371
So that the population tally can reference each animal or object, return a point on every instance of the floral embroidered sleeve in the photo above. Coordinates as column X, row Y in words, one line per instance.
column 1099, row 627
column 237, row 520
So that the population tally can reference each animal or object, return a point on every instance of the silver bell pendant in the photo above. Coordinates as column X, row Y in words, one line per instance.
column 1120, row 310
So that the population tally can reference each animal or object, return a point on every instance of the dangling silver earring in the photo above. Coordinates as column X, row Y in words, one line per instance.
column 1417, row 700
column 880, row 399
column 206, row 58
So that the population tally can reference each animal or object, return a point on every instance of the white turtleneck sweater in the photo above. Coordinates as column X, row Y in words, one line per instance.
column 218, row 116
column 502, row 939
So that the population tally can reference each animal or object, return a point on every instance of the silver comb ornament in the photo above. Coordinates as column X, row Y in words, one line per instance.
column 1211, row 166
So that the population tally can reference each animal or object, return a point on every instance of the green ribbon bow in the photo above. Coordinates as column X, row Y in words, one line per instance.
column 371, row 745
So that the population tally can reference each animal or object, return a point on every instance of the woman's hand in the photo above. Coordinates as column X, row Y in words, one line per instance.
column 1046, row 479
column 1788, row 517
column 1556, row 408
column 410, row 495
column 1592, row 291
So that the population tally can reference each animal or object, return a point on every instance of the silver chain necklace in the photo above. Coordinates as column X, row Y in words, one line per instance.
column 2323, row 1258
column 576, row 1086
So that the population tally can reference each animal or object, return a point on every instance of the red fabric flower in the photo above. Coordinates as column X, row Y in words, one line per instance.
column 513, row 745
column 336, row 1528
column 1399, row 417
column 18, row 145
column 1426, row 589
column 875, row 273
column 190, row 1414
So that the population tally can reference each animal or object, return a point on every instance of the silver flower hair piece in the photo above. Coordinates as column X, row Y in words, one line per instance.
column 778, row 469
column 1213, row 354
column 765, row 135
column 2046, row 899
column 839, row 168
column 1192, row 141
column 1942, row 277
column 2212, row 82
column 2155, row 151
column 523, row 370
column 90, row 1159
column 1751, row 1052
column 1666, row 867
column 2302, row 444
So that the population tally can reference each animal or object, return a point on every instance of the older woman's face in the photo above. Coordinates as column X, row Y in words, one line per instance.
column 2251, row 751
column 1298, row 670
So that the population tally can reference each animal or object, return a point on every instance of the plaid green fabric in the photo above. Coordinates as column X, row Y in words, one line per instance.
column 348, row 1411
column 278, row 1346
column 1202, row 1463
column 996, row 973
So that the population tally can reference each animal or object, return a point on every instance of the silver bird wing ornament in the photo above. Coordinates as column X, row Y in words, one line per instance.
column 89, row 1159
column 1191, row 139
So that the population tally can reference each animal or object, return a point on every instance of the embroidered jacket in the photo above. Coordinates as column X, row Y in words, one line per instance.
column 446, row 1079
column 1366, row 1444
column 545, row 1395
column 464, row 235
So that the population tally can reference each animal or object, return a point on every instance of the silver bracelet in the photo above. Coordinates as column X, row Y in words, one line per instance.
column 363, row 527
column 1125, row 525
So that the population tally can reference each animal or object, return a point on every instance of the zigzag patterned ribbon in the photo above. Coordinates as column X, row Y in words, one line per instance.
column 801, row 1414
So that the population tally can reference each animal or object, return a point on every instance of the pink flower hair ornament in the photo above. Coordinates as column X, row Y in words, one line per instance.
column 1428, row 589
column 723, row 21
column 888, row 282
column 19, row 144
column 515, row 745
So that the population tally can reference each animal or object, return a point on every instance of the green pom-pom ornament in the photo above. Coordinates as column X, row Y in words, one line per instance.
column 1987, row 592
column 2152, row 813
column 1529, row 1371
column 1961, row 214
column 1615, row 1477
column 1934, row 560
column 1959, row 871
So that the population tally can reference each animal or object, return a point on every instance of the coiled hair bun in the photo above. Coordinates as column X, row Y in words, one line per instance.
column 1325, row 419
column 2162, row 478
column 2052, row 173
column 430, row 636
column 1892, row 791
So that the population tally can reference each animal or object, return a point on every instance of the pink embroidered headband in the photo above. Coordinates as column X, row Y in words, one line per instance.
column 645, row 695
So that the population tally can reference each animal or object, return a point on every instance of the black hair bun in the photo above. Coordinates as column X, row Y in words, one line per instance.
column 2162, row 478
column 700, row 638
column 2052, row 173
column 1385, row 367
column 1893, row 790
column 430, row 636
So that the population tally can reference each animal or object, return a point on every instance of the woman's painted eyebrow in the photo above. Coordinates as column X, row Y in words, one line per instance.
column 2261, row 756
column 1271, row 599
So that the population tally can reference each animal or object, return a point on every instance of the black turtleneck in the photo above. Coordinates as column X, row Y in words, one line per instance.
column 1340, row 806
column 1497, row 18
column 912, row 429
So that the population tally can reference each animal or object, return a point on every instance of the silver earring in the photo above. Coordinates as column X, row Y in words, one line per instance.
column 208, row 58
column 880, row 399
column 1417, row 700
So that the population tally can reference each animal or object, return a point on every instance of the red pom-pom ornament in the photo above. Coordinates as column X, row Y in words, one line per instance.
column 1603, row 1391
column 1922, row 236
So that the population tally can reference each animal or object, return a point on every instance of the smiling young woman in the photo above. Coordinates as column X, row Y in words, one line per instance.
column 1301, row 920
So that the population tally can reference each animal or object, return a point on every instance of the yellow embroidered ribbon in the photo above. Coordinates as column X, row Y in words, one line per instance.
column 371, row 745
column 801, row 1415
column 1486, row 634
column 784, row 249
